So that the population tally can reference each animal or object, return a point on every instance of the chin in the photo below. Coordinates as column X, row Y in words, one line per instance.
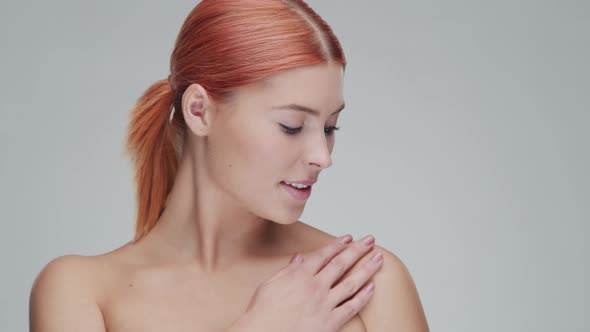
column 290, row 216
column 278, row 210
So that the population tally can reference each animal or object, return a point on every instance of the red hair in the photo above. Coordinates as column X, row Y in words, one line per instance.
column 223, row 44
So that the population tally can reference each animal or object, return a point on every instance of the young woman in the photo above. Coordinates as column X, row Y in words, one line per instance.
column 226, row 151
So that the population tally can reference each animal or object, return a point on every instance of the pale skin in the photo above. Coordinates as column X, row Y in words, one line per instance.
column 228, row 225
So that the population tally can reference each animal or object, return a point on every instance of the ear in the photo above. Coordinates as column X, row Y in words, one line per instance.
column 198, row 110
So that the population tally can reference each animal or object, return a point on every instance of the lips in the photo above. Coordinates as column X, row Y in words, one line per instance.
column 298, row 194
column 306, row 182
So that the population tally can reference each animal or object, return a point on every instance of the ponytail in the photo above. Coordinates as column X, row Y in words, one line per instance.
column 152, row 143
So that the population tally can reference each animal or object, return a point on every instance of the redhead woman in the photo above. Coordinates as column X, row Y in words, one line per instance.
column 226, row 151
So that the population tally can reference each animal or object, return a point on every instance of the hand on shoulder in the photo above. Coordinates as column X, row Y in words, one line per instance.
column 395, row 304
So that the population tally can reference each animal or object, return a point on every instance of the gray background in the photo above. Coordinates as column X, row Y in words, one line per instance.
column 464, row 146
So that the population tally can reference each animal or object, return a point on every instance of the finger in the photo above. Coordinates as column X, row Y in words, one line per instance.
column 343, row 313
column 295, row 260
column 350, row 286
column 316, row 260
column 336, row 268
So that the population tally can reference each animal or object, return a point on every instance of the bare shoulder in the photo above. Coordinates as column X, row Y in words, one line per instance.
column 395, row 304
column 68, row 273
column 64, row 295
column 310, row 238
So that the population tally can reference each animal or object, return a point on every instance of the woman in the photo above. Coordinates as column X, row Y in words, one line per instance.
column 226, row 151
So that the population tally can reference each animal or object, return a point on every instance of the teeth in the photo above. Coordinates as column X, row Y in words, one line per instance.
column 296, row 185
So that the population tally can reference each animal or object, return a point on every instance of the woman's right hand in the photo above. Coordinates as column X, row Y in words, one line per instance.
column 308, row 295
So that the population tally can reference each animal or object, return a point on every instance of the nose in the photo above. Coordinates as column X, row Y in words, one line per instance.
column 319, row 153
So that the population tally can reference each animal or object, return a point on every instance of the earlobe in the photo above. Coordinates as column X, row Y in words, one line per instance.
column 197, row 109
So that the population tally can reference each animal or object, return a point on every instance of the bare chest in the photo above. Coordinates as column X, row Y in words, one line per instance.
column 183, row 304
column 172, row 301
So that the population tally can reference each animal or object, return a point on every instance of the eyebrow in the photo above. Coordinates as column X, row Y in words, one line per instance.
column 301, row 108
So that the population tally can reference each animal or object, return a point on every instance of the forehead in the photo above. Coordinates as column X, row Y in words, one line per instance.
column 317, row 86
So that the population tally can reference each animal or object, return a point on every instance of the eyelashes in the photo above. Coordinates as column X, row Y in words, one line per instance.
column 293, row 131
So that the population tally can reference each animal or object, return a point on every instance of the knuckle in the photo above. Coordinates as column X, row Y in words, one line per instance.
column 335, row 246
column 326, row 256
column 349, row 286
column 326, row 260
column 335, row 249
column 338, row 245
column 350, row 308
column 339, row 266
column 361, row 301
column 369, row 268
column 361, row 247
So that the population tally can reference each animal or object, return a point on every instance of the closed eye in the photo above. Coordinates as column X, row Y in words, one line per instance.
column 293, row 131
column 330, row 130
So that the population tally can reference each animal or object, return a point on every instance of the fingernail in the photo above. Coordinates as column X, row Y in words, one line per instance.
column 371, row 287
column 346, row 239
column 377, row 257
column 295, row 259
column 368, row 240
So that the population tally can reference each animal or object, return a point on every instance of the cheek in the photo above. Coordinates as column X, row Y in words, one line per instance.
column 251, row 156
column 264, row 153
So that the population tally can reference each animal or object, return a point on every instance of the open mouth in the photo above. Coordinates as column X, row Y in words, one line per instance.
column 298, row 192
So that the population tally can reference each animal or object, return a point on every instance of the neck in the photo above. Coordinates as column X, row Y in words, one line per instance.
column 203, row 225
